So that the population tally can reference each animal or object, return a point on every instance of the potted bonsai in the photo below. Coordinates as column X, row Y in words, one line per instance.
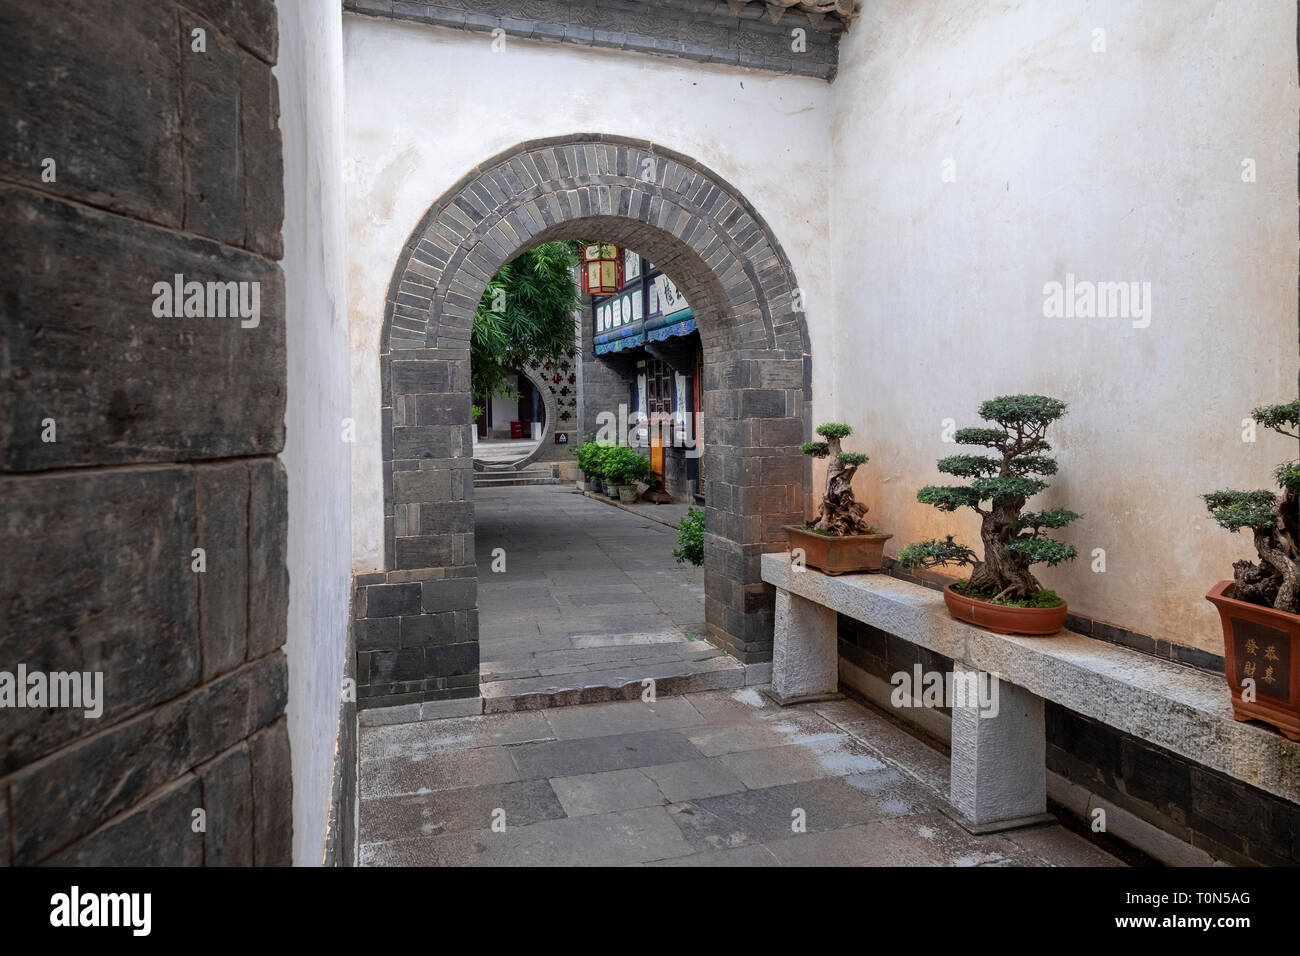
column 1002, row 594
column 840, row 540
column 624, row 467
column 1260, row 607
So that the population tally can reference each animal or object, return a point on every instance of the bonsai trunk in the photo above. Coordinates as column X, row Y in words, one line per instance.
column 1001, row 571
column 839, row 512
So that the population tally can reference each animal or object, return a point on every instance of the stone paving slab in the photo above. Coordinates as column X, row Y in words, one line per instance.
column 579, row 577
column 631, row 783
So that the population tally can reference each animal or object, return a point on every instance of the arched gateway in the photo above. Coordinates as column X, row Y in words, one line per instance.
column 418, row 633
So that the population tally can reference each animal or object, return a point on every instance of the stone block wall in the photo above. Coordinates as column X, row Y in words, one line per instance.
column 142, row 144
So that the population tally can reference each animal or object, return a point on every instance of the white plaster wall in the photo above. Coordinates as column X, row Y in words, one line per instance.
column 425, row 105
column 316, row 460
column 1122, row 165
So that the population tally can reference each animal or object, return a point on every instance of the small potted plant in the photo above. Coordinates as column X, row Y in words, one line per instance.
column 1002, row 594
column 588, row 454
column 840, row 541
column 1260, row 607
column 626, row 466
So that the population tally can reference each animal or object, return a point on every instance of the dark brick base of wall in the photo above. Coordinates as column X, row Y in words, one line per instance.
column 1226, row 818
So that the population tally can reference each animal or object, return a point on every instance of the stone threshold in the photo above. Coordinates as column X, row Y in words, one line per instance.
column 671, row 679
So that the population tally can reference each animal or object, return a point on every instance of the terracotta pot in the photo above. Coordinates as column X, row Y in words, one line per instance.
column 839, row 554
column 1264, row 644
column 1000, row 619
column 627, row 494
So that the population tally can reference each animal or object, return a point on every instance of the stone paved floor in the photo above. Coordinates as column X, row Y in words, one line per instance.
column 591, row 596
column 709, row 779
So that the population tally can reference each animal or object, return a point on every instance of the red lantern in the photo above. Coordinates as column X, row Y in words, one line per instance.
column 602, row 268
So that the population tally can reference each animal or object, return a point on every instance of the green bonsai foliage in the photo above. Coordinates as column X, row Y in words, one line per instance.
column 1272, row 519
column 839, row 513
column 1013, row 541
column 690, row 538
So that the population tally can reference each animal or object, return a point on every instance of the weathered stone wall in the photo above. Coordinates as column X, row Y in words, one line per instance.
column 166, row 160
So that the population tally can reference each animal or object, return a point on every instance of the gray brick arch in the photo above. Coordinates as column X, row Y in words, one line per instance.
column 418, row 635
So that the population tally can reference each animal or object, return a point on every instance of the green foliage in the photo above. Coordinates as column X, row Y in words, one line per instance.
column 834, row 430
column 852, row 458
column 1278, row 417
column 1054, row 518
column 589, row 455
column 1017, row 411
column 818, row 449
column 935, row 553
column 1013, row 542
column 624, row 465
column 1235, row 510
column 690, row 538
column 988, row 437
column 1288, row 477
column 969, row 466
column 1273, row 521
column 948, row 498
column 475, row 412
column 535, row 296
column 1042, row 551
column 1033, row 465
column 1006, row 487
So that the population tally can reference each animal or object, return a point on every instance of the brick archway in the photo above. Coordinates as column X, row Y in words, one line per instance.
column 418, row 628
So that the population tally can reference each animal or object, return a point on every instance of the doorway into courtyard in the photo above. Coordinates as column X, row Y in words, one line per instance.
column 420, row 617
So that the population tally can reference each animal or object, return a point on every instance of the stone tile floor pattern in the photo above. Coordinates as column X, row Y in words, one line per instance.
column 708, row 779
column 590, row 595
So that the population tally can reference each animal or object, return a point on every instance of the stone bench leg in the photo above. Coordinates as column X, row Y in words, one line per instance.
column 999, row 763
column 805, row 655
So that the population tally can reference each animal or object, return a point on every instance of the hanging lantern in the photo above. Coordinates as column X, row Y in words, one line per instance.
column 602, row 268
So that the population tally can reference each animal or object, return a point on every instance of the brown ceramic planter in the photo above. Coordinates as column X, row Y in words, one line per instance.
column 839, row 554
column 1032, row 621
column 1264, row 644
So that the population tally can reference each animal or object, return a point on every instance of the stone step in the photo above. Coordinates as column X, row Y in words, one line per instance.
column 670, row 678
column 504, row 481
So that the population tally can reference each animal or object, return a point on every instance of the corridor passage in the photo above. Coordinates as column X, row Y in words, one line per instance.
column 719, row 778
column 586, row 602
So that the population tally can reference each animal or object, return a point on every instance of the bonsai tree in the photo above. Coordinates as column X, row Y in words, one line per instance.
column 1275, row 580
column 838, row 513
column 1013, row 539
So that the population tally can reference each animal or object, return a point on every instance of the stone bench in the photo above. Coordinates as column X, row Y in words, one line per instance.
column 998, row 776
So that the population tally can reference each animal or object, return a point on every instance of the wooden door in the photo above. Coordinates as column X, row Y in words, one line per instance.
column 659, row 406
